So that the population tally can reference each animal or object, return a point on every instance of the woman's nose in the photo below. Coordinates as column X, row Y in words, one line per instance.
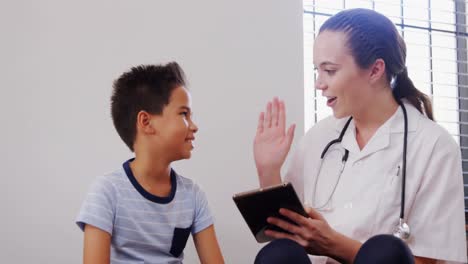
column 319, row 84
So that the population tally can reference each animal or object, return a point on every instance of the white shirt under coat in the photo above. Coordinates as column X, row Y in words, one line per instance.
column 368, row 195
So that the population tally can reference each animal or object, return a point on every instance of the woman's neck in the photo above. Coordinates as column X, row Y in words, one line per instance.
column 374, row 115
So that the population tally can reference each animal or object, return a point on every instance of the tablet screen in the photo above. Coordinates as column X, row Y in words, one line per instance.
column 257, row 205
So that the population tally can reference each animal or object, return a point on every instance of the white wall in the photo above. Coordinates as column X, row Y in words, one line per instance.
column 57, row 63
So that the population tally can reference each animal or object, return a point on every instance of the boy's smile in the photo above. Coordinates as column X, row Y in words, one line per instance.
column 175, row 127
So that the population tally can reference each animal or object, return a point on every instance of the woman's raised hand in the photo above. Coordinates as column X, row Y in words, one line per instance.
column 272, row 142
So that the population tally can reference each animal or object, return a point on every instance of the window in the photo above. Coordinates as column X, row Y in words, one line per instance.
column 435, row 33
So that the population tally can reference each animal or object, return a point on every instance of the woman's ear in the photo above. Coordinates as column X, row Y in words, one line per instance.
column 377, row 71
column 144, row 123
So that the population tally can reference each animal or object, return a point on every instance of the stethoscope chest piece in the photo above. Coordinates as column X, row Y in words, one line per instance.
column 402, row 230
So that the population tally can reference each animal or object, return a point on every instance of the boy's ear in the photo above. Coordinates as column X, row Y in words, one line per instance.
column 144, row 123
column 377, row 70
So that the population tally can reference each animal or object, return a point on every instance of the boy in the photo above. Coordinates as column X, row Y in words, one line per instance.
column 144, row 211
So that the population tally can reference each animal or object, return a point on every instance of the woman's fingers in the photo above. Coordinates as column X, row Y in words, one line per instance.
column 312, row 233
column 292, row 228
column 297, row 218
column 274, row 112
column 304, row 224
column 261, row 120
column 314, row 214
column 267, row 123
column 281, row 115
column 298, row 233
column 301, row 230
column 278, row 235
column 275, row 115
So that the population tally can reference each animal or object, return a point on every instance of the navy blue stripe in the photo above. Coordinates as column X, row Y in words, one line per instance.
column 143, row 192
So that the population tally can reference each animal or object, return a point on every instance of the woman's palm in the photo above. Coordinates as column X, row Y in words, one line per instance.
column 272, row 142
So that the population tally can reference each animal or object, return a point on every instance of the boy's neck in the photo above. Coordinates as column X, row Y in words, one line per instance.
column 150, row 171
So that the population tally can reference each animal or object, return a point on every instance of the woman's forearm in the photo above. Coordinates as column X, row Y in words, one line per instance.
column 344, row 249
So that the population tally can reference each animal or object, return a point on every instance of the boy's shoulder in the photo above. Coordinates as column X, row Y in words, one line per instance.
column 183, row 179
column 186, row 184
column 117, row 176
column 111, row 181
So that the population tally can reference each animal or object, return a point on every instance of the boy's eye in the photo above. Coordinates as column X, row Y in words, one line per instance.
column 185, row 113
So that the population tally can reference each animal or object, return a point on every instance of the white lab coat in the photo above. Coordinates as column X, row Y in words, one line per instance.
column 367, row 198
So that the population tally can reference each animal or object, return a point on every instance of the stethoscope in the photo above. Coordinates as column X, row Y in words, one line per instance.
column 402, row 230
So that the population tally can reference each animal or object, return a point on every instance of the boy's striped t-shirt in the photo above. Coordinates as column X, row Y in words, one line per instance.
column 145, row 228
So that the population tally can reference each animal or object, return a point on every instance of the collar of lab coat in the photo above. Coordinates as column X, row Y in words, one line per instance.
column 381, row 138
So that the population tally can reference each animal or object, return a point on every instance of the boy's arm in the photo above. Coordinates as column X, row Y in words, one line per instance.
column 96, row 248
column 207, row 246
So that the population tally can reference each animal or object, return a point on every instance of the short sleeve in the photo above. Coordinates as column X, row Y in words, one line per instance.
column 98, row 208
column 437, row 219
column 203, row 217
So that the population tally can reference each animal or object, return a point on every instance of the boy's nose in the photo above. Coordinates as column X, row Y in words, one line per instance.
column 193, row 127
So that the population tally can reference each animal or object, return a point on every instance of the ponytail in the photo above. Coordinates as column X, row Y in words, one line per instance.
column 405, row 89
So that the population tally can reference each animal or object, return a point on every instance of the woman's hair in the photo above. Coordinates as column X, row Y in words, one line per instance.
column 372, row 36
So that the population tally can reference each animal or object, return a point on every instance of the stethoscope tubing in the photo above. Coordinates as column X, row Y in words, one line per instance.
column 405, row 143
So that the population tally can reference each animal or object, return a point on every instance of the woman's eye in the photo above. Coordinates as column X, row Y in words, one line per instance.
column 330, row 72
column 184, row 113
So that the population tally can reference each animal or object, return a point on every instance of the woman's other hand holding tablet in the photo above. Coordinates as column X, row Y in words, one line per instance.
column 315, row 235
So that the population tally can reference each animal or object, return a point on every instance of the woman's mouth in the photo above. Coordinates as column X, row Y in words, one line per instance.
column 331, row 101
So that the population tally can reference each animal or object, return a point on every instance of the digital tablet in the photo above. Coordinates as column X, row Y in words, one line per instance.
column 259, row 204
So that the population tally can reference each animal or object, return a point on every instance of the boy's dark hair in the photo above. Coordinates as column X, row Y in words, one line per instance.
column 143, row 88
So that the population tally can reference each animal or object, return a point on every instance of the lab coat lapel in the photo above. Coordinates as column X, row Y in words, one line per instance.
column 349, row 138
column 379, row 141
column 381, row 138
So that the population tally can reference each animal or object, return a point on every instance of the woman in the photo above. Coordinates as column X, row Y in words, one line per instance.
column 354, row 187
